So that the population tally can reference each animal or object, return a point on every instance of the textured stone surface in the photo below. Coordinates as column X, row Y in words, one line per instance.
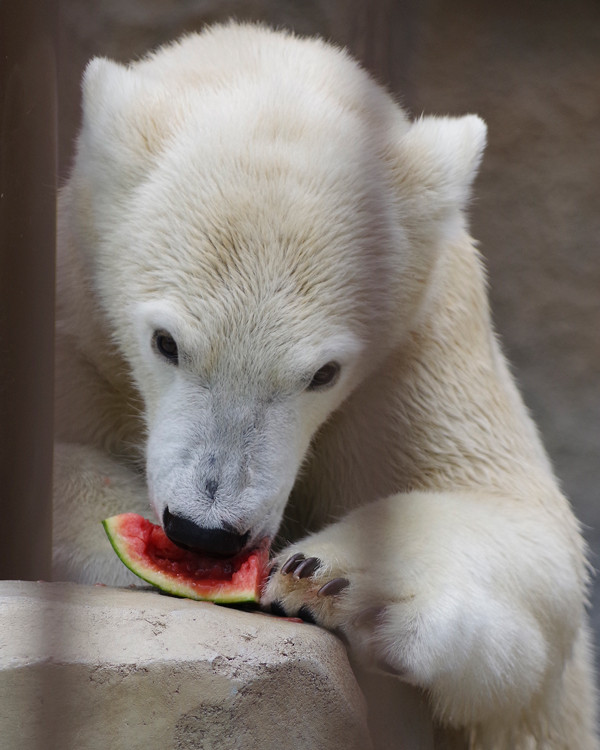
column 91, row 668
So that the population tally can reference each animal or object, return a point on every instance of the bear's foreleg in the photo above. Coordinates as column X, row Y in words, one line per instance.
column 476, row 598
column 89, row 486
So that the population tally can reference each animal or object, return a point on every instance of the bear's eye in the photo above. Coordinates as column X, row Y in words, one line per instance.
column 165, row 345
column 324, row 376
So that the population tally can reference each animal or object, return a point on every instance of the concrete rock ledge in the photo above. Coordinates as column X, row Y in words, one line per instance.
column 84, row 667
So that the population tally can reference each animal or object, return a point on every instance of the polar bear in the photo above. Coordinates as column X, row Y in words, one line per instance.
column 273, row 323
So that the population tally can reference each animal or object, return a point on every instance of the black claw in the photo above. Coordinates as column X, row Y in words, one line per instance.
column 306, row 568
column 333, row 587
column 277, row 609
column 291, row 563
column 305, row 614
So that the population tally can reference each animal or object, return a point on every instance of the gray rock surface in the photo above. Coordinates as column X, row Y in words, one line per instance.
column 91, row 668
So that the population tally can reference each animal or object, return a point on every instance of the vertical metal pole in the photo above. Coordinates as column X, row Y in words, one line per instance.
column 27, row 249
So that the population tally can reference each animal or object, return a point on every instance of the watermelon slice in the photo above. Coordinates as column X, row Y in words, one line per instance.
column 150, row 554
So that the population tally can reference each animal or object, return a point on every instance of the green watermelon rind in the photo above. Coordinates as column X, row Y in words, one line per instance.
column 225, row 593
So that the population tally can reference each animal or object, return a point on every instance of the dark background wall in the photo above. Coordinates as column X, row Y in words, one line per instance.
column 531, row 69
column 28, row 95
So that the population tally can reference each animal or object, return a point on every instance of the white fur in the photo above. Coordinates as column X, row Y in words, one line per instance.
column 262, row 200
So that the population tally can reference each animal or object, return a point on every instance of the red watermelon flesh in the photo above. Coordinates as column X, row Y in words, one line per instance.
column 147, row 551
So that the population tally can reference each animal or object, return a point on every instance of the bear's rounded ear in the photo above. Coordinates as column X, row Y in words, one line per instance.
column 125, row 117
column 101, row 78
column 437, row 162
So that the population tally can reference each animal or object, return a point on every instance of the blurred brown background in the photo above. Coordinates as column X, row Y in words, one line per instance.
column 531, row 69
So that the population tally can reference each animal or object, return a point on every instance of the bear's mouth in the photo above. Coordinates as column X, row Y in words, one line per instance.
column 223, row 542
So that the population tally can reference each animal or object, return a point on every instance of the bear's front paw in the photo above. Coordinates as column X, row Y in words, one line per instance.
column 305, row 587
column 328, row 594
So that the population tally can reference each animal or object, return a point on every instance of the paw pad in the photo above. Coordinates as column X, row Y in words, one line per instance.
column 277, row 609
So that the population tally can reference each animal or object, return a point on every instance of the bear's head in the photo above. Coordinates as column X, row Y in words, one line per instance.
column 260, row 224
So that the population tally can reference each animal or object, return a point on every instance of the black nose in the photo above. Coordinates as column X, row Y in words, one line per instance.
column 185, row 533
